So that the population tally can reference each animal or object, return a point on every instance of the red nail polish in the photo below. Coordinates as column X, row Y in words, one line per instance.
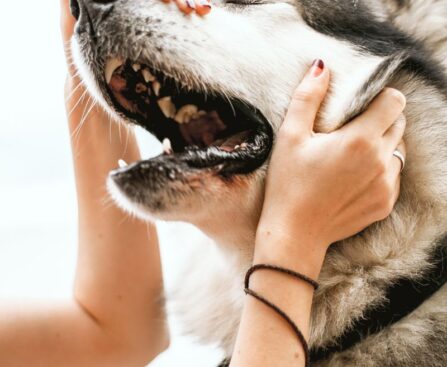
column 317, row 67
column 191, row 4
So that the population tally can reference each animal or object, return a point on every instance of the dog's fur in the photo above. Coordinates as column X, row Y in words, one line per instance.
column 258, row 53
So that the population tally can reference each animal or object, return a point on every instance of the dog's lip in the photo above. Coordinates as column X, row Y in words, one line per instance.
column 213, row 159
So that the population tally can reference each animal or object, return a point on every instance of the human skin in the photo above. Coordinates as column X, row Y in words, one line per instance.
column 116, row 318
column 329, row 197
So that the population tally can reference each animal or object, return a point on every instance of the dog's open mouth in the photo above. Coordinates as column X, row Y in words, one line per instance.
column 201, row 131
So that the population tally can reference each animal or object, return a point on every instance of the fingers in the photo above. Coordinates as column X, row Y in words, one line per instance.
column 397, row 160
column 393, row 136
column 381, row 114
column 186, row 6
column 201, row 7
column 306, row 100
column 395, row 171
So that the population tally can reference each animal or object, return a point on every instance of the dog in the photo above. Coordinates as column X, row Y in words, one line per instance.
column 215, row 90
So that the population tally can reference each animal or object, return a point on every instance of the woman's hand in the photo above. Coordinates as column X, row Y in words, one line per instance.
column 320, row 188
column 327, row 187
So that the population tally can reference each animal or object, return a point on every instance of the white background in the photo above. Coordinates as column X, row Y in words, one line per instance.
column 37, row 196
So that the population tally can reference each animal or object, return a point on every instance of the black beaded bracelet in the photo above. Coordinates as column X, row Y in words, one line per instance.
column 275, row 308
column 279, row 269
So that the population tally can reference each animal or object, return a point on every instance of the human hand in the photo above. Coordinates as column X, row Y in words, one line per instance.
column 322, row 188
column 201, row 7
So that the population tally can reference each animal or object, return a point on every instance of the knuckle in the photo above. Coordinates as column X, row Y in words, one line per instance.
column 386, row 208
column 380, row 167
column 385, row 199
column 359, row 143
column 396, row 98
column 288, row 133
column 303, row 96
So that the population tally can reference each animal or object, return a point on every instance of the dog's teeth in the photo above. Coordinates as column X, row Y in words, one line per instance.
column 136, row 67
column 185, row 113
column 148, row 77
column 167, row 146
column 156, row 87
column 122, row 163
column 167, row 107
column 111, row 66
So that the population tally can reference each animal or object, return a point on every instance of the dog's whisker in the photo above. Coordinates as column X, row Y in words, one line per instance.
column 72, row 93
column 76, row 105
column 84, row 116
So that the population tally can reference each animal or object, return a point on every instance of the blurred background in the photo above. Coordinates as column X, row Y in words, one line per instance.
column 37, row 194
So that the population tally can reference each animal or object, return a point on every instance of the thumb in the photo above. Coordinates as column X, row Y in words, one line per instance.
column 67, row 21
column 307, row 99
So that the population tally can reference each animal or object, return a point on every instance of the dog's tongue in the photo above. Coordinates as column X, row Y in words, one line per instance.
column 118, row 85
column 234, row 142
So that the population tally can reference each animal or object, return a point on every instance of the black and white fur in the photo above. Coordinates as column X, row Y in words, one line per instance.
column 258, row 53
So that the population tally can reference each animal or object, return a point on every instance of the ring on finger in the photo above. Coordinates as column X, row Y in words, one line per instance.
column 401, row 157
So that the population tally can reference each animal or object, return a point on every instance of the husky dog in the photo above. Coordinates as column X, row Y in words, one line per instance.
column 215, row 90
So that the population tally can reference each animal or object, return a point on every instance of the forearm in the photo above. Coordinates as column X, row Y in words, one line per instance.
column 265, row 338
column 119, row 278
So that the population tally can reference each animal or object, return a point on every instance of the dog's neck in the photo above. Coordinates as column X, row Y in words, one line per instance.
column 233, row 225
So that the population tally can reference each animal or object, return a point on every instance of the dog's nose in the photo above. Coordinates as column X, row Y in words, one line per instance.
column 74, row 8
column 89, row 12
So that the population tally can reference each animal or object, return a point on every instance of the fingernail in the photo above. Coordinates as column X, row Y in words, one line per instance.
column 205, row 3
column 317, row 68
column 191, row 4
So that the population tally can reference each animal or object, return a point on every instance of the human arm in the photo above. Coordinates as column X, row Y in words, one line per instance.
column 116, row 316
column 336, row 185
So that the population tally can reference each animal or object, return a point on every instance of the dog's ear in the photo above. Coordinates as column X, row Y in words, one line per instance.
column 352, row 98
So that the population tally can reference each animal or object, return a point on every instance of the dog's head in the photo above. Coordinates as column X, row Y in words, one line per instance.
column 214, row 89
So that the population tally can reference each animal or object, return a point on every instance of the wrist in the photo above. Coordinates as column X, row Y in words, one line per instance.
column 300, row 250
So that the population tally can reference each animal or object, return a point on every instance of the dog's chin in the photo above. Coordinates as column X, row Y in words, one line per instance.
column 150, row 191
column 127, row 204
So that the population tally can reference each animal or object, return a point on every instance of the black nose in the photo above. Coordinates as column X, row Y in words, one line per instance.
column 74, row 8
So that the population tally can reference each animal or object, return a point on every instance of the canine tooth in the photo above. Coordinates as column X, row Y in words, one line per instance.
column 122, row 163
column 167, row 107
column 185, row 113
column 148, row 77
column 136, row 67
column 111, row 66
column 156, row 86
column 167, row 146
